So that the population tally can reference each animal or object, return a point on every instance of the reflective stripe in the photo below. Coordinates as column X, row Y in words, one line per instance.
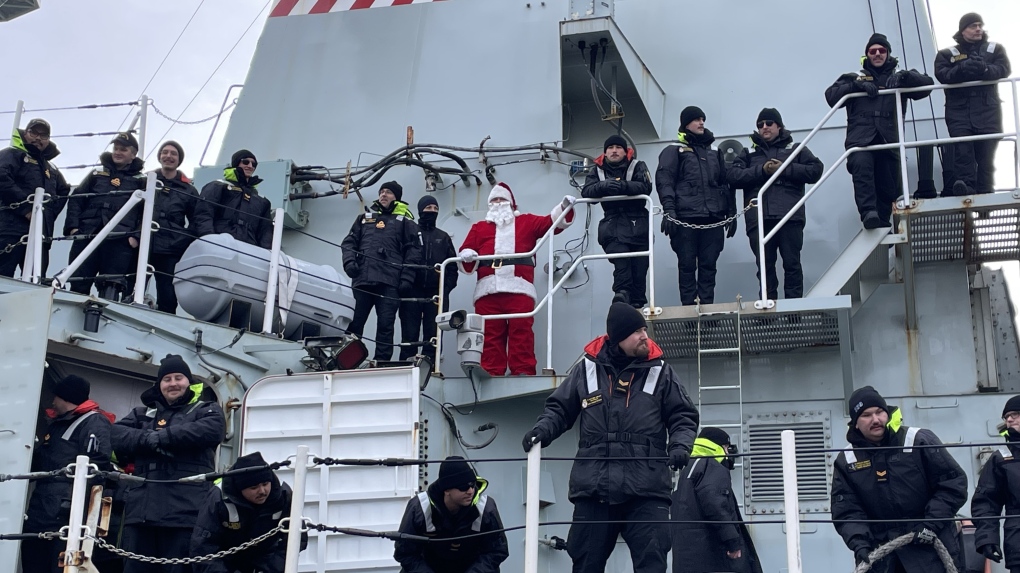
column 908, row 443
column 232, row 515
column 628, row 177
column 74, row 426
column 426, row 508
column 276, row 516
column 848, row 453
column 653, row 378
column 954, row 51
column 476, row 525
column 151, row 412
column 592, row 373
column 602, row 174
column 1005, row 452
column 694, row 465
column 991, row 47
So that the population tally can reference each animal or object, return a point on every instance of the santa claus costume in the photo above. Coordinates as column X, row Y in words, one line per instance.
column 506, row 286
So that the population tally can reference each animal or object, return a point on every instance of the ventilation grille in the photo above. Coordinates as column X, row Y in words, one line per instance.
column 975, row 236
column 765, row 475
column 760, row 334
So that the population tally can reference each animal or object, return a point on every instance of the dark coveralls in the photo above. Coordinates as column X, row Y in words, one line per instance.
column 691, row 182
column 704, row 492
column 159, row 517
column 998, row 487
column 375, row 254
column 23, row 168
column 747, row 173
column 426, row 515
column 420, row 317
column 115, row 256
column 227, row 520
column 975, row 110
column 626, row 409
column 233, row 206
column 872, row 121
column 624, row 228
column 921, row 483
column 174, row 203
column 83, row 431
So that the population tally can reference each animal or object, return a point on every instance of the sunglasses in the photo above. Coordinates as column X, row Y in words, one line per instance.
column 877, row 51
column 247, row 162
column 765, row 122
column 467, row 486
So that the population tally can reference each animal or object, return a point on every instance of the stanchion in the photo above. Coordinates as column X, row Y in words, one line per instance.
column 531, row 509
column 297, row 505
column 145, row 238
column 274, row 273
column 79, row 496
column 32, row 269
column 791, row 502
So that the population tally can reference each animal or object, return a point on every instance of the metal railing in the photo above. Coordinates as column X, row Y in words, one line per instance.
column 553, row 284
column 901, row 145
column 140, row 119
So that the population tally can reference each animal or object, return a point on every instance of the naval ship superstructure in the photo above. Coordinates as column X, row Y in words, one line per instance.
column 448, row 97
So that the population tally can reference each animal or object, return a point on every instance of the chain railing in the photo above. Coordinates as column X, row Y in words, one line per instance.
column 185, row 560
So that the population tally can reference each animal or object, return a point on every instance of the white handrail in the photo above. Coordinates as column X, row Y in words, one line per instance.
column 143, row 116
column 19, row 110
column 145, row 238
column 534, row 482
column 274, row 273
column 791, row 502
column 31, row 268
column 79, row 495
column 90, row 248
column 297, row 506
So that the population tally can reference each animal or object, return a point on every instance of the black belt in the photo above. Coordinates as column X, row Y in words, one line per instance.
column 873, row 114
column 497, row 263
column 620, row 437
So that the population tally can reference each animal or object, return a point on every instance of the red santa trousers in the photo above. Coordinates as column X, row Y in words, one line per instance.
column 508, row 342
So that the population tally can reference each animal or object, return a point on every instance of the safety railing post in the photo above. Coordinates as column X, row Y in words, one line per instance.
column 1016, row 134
column 90, row 248
column 19, row 110
column 791, row 502
column 297, row 505
column 143, row 127
column 901, row 135
column 651, row 256
column 549, row 308
column 142, row 268
column 31, row 268
column 763, row 301
column 274, row 273
column 531, row 509
column 79, row 495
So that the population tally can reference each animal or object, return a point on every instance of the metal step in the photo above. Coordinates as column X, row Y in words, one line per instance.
column 848, row 262
column 718, row 350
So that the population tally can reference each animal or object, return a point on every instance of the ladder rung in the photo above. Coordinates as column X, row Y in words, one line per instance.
column 719, row 313
column 733, row 387
column 718, row 350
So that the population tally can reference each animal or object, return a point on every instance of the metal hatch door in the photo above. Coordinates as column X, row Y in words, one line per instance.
column 370, row 413
column 24, row 335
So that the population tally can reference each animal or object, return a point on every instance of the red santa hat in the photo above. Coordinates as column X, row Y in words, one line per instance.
column 502, row 190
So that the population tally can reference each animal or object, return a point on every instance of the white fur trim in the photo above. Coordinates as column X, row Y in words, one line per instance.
column 500, row 192
column 466, row 268
column 506, row 239
column 494, row 284
column 556, row 213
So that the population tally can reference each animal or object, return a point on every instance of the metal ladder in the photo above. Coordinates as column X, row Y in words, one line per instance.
column 738, row 424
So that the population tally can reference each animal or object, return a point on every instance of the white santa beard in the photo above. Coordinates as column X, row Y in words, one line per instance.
column 500, row 213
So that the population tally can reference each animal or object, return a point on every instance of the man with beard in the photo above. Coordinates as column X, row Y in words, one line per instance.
column 892, row 472
column 631, row 405
column 506, row 285
column 174, row 210
column 871, row 120
column 624, row 229
column 772, row 145
column 95, row 201
column 973, row 110
column 691, row 182
column 998, row 487
column 24, row 166
column 380, row 255
column 233, row 205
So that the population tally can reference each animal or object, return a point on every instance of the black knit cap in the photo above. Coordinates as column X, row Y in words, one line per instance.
column 770, row 113
column 968, row 19
column 172, row 364
column 394, row 187
column 72, row 389
column 622, row 321
column 235, row 159
column 614, row 140
column 879, row 39
column 862, row 399
column 1012, row 405
column 254, row 477
column 454, row 472
column 716, row 435
column 38, row 125
column 175, row 145
column 689, row 114
column 425, row 201
column 126, row 139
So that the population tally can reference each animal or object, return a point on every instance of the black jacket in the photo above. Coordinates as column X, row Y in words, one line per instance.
column 638, row 422
column 192, row 429
column 22, row 169
column 691, row 179
column 624, row 221
column 426, row 515
column 90, row 214
column 921, row 483
column 976, row 109
column 233, row 205
column 873, row 120
column 67, row 437
column 747, row 173
column 704, row 493
column 437, row 246
column 216, row 529
column 174, row 203
column 380, row 247
column 998, row 487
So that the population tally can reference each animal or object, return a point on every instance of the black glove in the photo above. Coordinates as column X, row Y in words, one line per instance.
column 896, row 80
column 924, row 534
column 678, row 457
column 847, row 78
column 614, row 187
column 870, row 88
column 861, row 555
column 991, row 551
column 913, row 79
column 974, row 68
column 533, row 436
column 151, row 440
column 731, row 229
column 669, row 228
column 352, row 269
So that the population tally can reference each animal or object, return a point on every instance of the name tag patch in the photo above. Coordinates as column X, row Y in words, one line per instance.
column 859, row 465
column 591, row 401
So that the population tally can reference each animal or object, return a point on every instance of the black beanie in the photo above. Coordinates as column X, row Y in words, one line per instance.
column 254, row 477
column 177, row 146
column 72, row 389
column 1012, row 405
column 689, row 114
column 614, row 140
column 770, row 113
column 395, row 187
column 126, row 139
column 879, row 39
column 425, row 201
column 862, row 399
column 235, row 159
column 716, row 435
column 173, row 363
column 622, row 321
column 454, row 472
column 968, row 19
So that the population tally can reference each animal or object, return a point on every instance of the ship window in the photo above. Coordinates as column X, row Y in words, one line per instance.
column 765, row 471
